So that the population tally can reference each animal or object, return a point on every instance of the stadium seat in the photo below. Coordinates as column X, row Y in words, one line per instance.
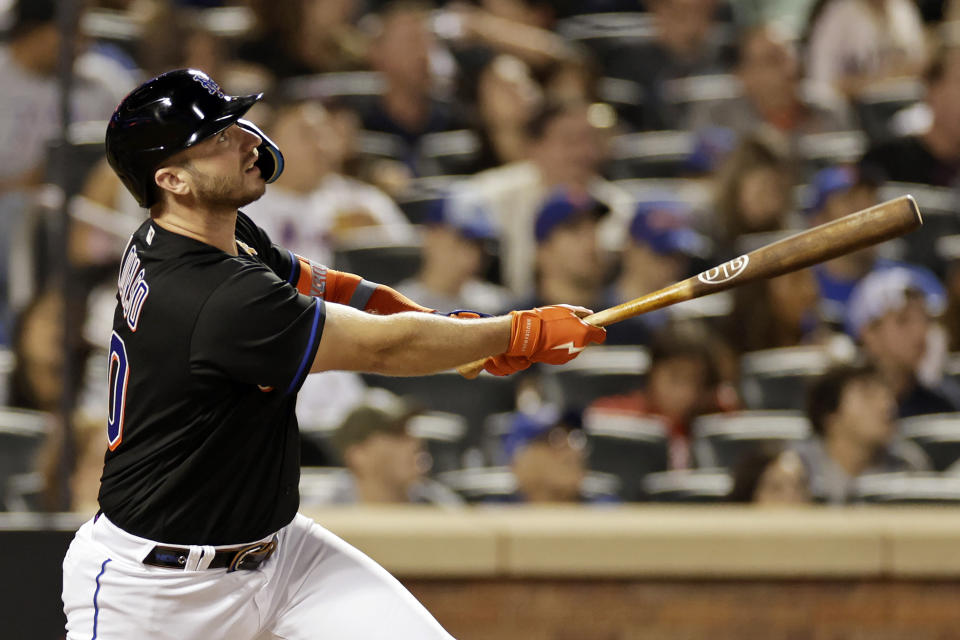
column 778, row 378
column 446, row 153
column 498, row 484
column 628, row 447
column 22, row 433
column 443, row 435
column 908, row 488
column 649, row 154
column 378, row 260
column 821, row 150
column 320, row 485
column 937, row 434
column 684, row 94
column 481, row 484
column 938, row 205
column 605, row 33
column 422, row 194
column 6, row 368
column 24, row 492
column 355, row 89
column 877, row 105
column 951, row 369
column 700, row 485
column 692, row 192
column 597, row 372
column 720, row 440
column 450, row 392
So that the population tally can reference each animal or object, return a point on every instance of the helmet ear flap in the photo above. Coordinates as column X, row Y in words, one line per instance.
column 270, row 159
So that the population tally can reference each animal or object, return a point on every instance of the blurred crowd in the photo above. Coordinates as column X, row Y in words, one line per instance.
column 502, row 154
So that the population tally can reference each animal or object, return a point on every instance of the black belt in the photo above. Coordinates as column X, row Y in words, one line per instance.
column 245, row 558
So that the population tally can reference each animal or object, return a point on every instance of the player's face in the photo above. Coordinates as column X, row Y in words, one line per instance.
column 222, row 172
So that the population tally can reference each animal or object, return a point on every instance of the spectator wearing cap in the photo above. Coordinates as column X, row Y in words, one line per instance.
column 547, row 455
column 457, row 237
column 564, row 152
column 684, row 381
column 769, row 72
column 852, row 411
column 931, row 157
column 569, row 268
column 386, row 463
column 836, row 192
column 889, row 314
column 314, row 205
column 663, row 248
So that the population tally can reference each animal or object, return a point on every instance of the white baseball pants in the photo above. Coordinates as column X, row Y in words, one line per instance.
column 314, row 586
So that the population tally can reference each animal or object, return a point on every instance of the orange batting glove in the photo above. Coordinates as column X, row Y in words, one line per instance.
column 553, row 334
column 504, row 365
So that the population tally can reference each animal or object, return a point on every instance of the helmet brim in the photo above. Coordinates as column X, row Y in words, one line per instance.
column 235, row 109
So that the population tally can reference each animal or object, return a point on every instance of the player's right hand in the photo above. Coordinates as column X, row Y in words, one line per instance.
column 504, row 365
column 553, row 334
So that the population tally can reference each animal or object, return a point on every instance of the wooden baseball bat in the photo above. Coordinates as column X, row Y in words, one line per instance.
column 847, row 234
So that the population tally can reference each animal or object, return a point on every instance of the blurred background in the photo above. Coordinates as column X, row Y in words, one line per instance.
column 776, row 461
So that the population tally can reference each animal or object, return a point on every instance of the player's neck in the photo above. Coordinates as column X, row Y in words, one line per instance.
column 216, row 228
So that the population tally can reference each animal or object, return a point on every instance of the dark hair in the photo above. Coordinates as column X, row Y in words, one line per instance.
column 826, row 392
column 748, row 471
column 690, row 341
column 937, row 66
column 547, row 113
column 30, row 14
column 759, row 150
column 21, row 392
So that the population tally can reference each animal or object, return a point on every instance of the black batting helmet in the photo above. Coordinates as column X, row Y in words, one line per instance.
column 170, row 113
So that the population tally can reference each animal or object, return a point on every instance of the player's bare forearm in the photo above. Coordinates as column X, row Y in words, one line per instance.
column 405, row 344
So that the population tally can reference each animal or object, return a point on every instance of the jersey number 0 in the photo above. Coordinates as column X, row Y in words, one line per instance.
column 119, row 376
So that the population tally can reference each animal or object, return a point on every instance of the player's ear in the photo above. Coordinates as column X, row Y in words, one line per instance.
column 173, row 179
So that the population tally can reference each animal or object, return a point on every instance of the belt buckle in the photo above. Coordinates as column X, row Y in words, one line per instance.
column 251, row 556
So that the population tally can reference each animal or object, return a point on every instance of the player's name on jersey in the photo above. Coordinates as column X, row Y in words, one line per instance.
column 132, row 288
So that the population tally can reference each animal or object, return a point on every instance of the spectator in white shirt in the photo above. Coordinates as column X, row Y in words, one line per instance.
column 855, row 43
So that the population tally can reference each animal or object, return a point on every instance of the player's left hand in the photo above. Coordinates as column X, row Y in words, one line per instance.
column 555, row 334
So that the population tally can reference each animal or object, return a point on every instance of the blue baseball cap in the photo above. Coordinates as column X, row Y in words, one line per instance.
column 564, row 206
column 464, row 212
column 832, row 180
column 529, row 427
column 886, row 289
column 666, row 226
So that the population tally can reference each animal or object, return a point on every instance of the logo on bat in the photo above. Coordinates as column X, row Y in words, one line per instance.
column 726, row 271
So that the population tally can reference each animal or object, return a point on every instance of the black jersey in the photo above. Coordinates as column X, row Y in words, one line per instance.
column 207, row 354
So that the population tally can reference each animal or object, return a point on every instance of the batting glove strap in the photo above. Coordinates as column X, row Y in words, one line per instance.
column 467, row 313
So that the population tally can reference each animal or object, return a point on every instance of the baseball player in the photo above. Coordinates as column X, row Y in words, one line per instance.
column 215, row 328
